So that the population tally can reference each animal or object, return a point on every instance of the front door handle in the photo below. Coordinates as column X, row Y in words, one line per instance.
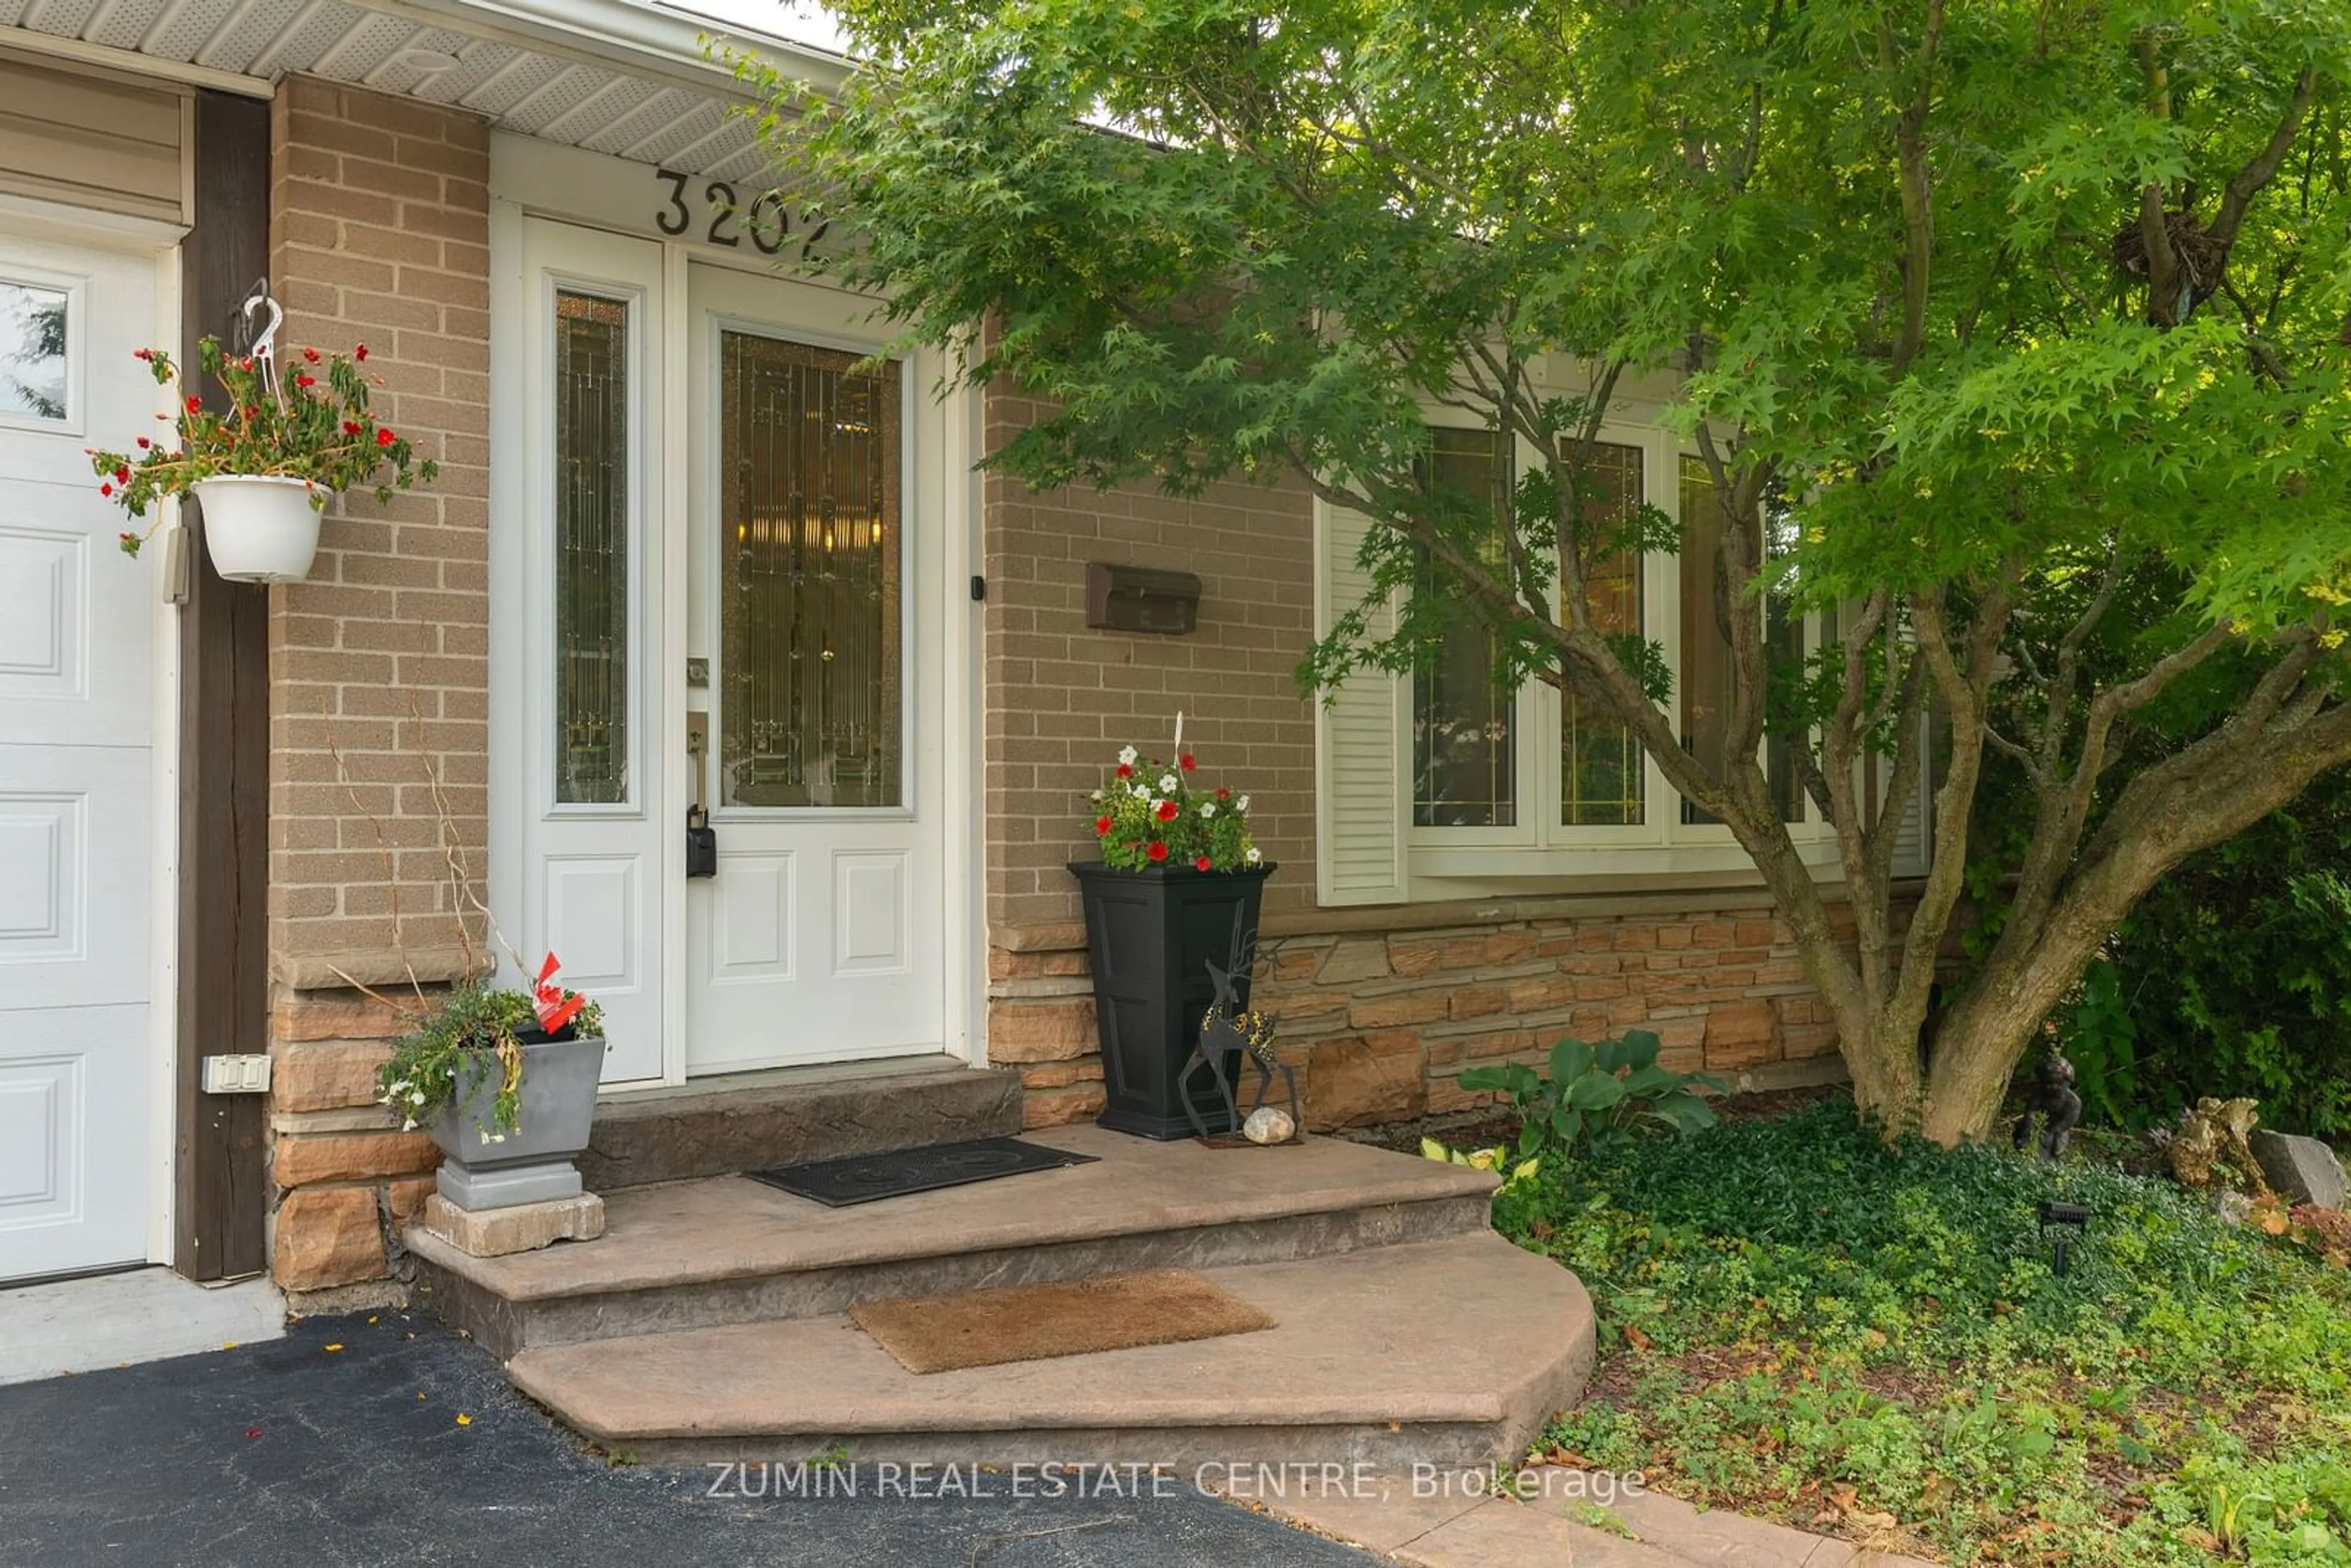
column 701, row 838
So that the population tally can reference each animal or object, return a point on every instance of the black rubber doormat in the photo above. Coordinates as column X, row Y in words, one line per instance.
column 862, row 1178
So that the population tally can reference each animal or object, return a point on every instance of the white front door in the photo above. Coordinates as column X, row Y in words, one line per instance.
column 80, row 1159
column 818, row 612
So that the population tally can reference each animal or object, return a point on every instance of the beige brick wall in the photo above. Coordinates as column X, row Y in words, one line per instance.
column 379, row 663
column 1062, row 699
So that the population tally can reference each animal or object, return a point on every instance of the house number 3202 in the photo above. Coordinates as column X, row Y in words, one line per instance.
column 723, row 219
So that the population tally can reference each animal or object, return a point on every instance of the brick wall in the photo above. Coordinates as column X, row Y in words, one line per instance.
column 379, row 663
column 1377, row 1017
column 1062, row 699
column 1380, row 1007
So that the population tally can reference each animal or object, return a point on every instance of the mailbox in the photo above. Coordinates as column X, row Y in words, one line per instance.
column 1141, row 598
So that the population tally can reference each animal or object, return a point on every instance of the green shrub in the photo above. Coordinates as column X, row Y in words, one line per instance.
column 1812, row 1318
column 1594, row 1095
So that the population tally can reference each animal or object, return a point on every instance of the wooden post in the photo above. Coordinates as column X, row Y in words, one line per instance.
column 221, row 1173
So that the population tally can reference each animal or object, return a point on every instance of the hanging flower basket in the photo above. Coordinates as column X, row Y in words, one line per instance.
column 265, row 465
column 259, row 527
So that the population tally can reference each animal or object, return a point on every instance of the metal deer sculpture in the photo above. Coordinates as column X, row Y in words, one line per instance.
column 1226, row 1029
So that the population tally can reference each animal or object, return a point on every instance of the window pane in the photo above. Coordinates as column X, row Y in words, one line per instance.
column 1463, row 755
column 591, row 550
column 32, row 351
column 1600, row 777
column 810, row 635
column 1705, row 675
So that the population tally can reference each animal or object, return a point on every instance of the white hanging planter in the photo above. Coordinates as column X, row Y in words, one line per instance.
column 258, row 527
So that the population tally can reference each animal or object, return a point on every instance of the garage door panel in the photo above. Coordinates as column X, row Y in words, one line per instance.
column 73, row 1085
column 75, row 841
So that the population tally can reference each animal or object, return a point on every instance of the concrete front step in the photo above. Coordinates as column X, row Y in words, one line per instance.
column 1449, row 1352
column 710, row 1253
column 753, row 1121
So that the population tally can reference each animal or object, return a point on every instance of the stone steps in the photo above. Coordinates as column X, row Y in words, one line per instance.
column 753, row 1121
column 729, row 1251
column 1453, row 1350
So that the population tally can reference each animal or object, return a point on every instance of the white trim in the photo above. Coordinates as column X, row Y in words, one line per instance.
column 965, row 841
column 130, row 62
column 677, row 560
column 37, row 219
column 164, row 894
column 508, row 786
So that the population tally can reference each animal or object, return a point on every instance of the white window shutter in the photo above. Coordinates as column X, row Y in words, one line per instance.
column 1362, row 754
column 1911, row 838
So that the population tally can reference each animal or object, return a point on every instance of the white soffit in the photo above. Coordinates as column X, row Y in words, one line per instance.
column 612, row 76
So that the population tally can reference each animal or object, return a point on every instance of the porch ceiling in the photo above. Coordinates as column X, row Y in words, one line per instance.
column 612, row 76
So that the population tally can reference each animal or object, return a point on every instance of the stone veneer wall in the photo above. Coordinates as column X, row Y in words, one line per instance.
column 1380, row 1007
column 379, row 663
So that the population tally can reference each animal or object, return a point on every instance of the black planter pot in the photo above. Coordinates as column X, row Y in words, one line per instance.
column 1150, row 938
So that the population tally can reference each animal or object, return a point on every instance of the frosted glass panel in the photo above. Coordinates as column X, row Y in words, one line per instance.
column 591, row 550
column 809, row 577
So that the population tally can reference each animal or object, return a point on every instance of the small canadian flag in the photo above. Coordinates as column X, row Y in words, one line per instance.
column 556, row 1006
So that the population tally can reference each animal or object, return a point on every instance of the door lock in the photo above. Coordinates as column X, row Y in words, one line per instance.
column 701, row 838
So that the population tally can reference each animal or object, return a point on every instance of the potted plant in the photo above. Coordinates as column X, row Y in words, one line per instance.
column 506, row 1082
column 1177, row 888
column 266, row 466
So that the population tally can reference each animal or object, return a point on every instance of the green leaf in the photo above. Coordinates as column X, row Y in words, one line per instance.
column 1569, row 1060
column 1595, row 1092
column 1641, row 1047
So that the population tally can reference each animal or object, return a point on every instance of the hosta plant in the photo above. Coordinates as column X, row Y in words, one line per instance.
column 1149, row 812
column 314, row 425
column 1594, row 1095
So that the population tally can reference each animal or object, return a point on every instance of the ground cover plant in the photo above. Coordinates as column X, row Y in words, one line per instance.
column 1802, row 1321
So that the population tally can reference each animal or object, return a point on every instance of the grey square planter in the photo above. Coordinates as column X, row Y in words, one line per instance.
column 557, row 1104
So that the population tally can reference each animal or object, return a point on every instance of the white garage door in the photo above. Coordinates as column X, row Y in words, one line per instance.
column 80, row 1159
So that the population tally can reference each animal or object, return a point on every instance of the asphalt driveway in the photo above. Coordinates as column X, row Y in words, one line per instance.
column 374, row 1440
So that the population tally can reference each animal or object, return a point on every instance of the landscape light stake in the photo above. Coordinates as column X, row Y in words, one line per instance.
column 2073, row 1217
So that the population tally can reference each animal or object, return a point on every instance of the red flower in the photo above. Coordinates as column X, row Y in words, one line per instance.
column 1102, row 827
column 145, row 443
column 1202, row 863
column 245, row 363
column 106, row 490
column 1186, row 762
column 1167, row 810
column 385, row 438
column 306, row 380
column 361, row 352
column 253, row 410
column 351, row 427
column 1125, row 772
column 1223, row 793
column 123, row 475
column 195, row 405
column 311, row 355
column 147, row 354
column 1158, row 851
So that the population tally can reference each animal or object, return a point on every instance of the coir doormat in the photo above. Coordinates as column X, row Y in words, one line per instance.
column 1063, row 1317
column 862, row 1178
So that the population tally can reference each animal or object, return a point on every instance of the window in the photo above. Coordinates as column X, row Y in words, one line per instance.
column 1602, row 773
column 35, row 380
column 811, row 674
column 1464, row 766
column 1705, row 663
column 591, row 550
